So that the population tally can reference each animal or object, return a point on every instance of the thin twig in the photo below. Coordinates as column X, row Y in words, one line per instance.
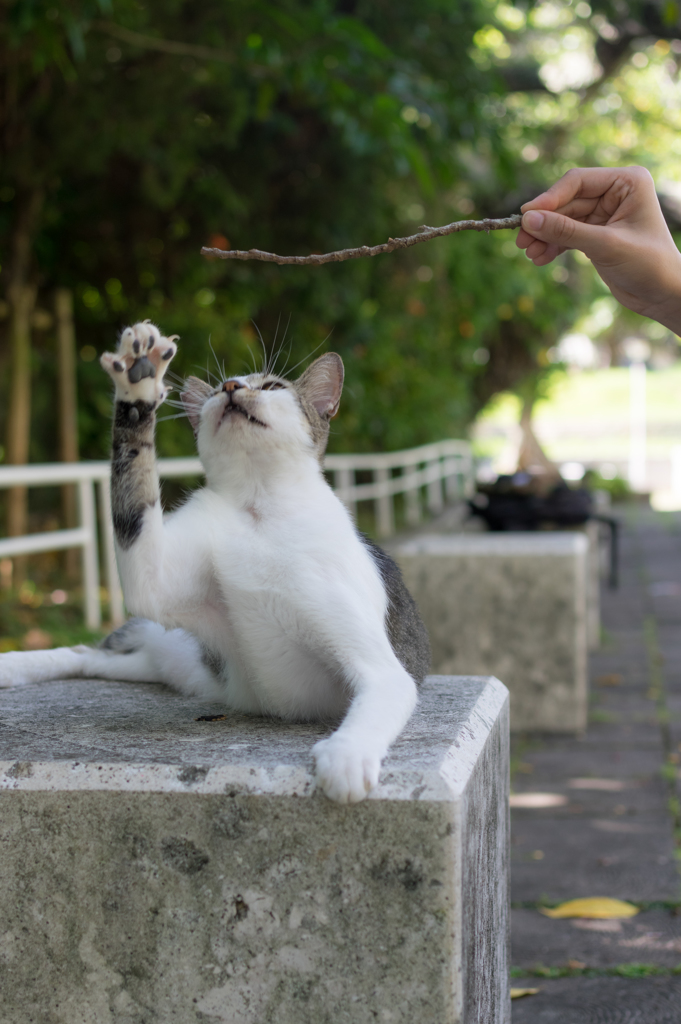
column 424, row 233
column 145, row 42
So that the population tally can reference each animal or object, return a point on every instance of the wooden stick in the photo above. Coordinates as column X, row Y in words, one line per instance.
column 424, row 234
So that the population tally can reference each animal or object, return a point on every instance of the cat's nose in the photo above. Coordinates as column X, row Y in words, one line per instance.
column 232, row 385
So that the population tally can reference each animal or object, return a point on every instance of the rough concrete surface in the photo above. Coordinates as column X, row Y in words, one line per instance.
column 513, row 605
column 161, row 870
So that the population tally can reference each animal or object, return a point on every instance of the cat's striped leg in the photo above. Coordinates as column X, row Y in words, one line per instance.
column 137, row 370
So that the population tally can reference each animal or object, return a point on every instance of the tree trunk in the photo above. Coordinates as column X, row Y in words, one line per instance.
column 532, row 457
column 68, row 425
column 21, row 294
column 22, row 299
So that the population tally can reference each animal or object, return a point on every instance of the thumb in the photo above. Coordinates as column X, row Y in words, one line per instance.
column 565, row 232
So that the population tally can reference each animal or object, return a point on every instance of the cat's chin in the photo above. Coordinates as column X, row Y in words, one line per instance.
column 236, row 413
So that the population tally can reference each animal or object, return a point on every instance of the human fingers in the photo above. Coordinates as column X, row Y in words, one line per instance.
column 580, row 185
column 536, row 249
column 563, row 232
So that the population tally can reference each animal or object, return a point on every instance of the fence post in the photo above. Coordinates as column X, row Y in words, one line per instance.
column 412, row 502
column 384, row 505
column 452, row 473
column 434, row 493
column 113, row 583
column 88, row 520
column 344, row 480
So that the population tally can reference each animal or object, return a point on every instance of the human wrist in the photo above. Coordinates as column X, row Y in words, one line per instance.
column 667, row 313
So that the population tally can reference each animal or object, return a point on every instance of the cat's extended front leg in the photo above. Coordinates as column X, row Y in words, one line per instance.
column 137, row 370
column 384, row 695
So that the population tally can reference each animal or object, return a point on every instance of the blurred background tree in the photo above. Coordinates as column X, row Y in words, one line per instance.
column 134, row 133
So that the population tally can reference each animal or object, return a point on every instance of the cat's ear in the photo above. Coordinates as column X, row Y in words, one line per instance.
column 322, row 383
column 193, row 396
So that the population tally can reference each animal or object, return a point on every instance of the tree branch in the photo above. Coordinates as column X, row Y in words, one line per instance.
column 424, row 234
column 145, row 42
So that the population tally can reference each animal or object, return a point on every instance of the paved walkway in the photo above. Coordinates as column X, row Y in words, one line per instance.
column 619, row 833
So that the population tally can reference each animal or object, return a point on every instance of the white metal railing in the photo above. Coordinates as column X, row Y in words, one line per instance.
column 447, row 464
column 444, row 469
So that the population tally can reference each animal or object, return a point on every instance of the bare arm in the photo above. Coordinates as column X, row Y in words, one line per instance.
column 611, row 214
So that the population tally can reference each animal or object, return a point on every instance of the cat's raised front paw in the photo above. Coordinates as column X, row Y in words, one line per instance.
column 346, row 771
column 138, row 367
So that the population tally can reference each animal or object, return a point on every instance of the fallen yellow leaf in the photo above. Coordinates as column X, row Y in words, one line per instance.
column 518, row 993
column 594, row 906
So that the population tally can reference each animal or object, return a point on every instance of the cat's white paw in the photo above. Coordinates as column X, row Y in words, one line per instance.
column 138, row 367
column 346, row 771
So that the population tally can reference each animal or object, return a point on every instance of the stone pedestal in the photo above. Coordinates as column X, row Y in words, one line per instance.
column 513, row 605
column 157, row 868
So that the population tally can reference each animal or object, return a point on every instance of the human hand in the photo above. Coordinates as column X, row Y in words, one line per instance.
column 613, row 216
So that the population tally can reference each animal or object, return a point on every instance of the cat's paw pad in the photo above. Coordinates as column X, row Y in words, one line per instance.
column 138, row 367
column 346, row 772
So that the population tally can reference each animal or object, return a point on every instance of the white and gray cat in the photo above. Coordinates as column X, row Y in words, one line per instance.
column 258, row 591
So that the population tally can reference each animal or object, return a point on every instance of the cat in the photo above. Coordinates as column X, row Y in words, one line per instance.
column 258, row 591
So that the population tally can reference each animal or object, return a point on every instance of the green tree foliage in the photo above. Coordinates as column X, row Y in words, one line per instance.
column 153, row 129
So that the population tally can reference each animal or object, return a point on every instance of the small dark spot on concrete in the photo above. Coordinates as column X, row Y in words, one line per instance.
column 241, row 908
column 416, row 792
column 406, row 874
column 410, row 877
column 435, row 883
column 302, row 990
column 139, row 847
column 20, row 770
column 449, row 829
column 211, row 718
column 232, row 822
column 192, row 773
column 183, row 855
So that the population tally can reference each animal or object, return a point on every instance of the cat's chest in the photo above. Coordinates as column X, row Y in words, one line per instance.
column 264, row 552
column 269, row 553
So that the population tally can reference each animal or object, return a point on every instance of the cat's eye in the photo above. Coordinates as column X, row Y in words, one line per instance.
column 270, row 385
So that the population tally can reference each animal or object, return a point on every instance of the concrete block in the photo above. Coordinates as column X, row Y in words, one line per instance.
column 513, row 605
column 157, row 869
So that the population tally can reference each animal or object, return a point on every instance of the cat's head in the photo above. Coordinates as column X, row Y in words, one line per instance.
column 262, row 412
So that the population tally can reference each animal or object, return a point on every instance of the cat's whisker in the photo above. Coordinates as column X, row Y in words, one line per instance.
column 309, row 356
column 276, row 356
column 264, row 350
column 176, row 416
column 217, row 362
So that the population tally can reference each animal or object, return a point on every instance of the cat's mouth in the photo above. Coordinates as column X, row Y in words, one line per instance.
column 233, row 408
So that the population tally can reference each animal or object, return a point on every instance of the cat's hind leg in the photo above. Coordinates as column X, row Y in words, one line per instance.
column 140, row 651
column 143, row 651
column 17, row 668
